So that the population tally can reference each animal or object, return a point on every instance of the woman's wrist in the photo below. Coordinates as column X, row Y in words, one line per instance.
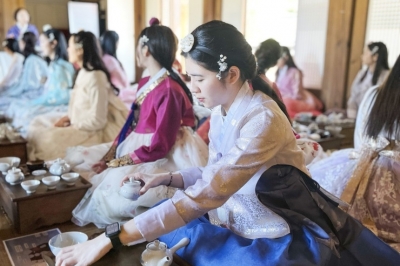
column 172, row 179
column 105, row 242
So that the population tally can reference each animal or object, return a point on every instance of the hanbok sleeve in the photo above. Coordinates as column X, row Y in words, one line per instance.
column 362, row 117
column 118, row 75
column 14, row 71
column 262, row 135
column 96, row 90
column 58, row 86
column 168, row 107
column 352, row 105
column 296, row 84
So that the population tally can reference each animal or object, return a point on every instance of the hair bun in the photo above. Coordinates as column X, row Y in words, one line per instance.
column 154, row 21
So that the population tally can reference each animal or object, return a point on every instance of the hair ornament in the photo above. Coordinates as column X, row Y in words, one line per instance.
column 222, row 65
column 51, row 37
column 4, row 43
column 47, row 27
column 187, row 43
column 375, row 49
column 78, row 45
column 143, row 40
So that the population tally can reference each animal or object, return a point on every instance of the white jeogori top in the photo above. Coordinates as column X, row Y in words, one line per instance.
column 253, row 136
column 359, row 88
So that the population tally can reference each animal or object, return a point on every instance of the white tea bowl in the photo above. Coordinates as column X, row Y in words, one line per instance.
column 51, row 181
column 12, row 161
column 70, row 178
column 30, row 186
column 4, row 167
column 67, row 239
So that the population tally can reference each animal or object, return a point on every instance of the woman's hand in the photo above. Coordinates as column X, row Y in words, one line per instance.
column 63, row 122
column 99, row 167
column 85, row 253
column 148, row 181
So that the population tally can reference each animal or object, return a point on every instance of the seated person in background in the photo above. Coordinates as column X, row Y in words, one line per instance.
column 375, row 58
column 95, row 113
column 22, row 25
column 263, row 208
column 34, row 74
column 57, row 89
column 157, row 137
column 109, row 44
column 371, row 172
column 289, row 79
column 266, row 55
column 14, row 71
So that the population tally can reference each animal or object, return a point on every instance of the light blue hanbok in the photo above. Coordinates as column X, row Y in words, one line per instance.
column 30, row 84
column 55, row 97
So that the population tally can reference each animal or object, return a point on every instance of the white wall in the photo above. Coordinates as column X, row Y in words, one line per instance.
column 233, row 12
column 120, row 19
column 196, row 8
column 312, row 24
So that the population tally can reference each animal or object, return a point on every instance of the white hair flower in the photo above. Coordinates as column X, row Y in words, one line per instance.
column 143, row 40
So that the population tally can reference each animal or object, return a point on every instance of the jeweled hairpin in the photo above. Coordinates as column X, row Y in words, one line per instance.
column 187, row 43
column 143, row 39
column 222, row 66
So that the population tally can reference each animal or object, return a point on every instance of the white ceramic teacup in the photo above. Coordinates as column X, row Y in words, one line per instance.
column 30, row 186
column 70, row 178
column 51, row 181
column 4, row 167
column 63, row 240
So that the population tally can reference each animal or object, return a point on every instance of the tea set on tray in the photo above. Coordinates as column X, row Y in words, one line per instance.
column 14, row 175
column 156, row 253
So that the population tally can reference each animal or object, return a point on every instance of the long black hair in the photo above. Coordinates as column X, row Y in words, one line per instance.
column 162, row 45
column 288, row 59
column 61, row 47
column 384, row 114
column 268, row 54
column 215, row 38
column 378, row 48
column 29, row 39
column 11, row 44
column 109, row 41
column 91, row 53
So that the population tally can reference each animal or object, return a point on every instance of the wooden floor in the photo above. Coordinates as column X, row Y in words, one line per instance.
column 126, row 256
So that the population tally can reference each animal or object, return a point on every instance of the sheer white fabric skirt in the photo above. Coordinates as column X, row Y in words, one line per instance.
column 103, row 204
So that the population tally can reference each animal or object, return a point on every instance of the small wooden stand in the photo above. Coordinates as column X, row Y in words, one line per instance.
column 15, row 148
column 44, row 207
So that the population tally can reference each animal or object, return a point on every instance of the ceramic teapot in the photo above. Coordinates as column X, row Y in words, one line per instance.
column 59, row 167
column 130, row 189
column 157, row 253
column 14, row 175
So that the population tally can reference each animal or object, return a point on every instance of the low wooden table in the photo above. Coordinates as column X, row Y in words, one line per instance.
column 333, row 143
column 44, row 207
column 15, row 148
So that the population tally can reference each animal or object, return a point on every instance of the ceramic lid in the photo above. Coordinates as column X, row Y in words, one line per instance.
column 156, row 245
